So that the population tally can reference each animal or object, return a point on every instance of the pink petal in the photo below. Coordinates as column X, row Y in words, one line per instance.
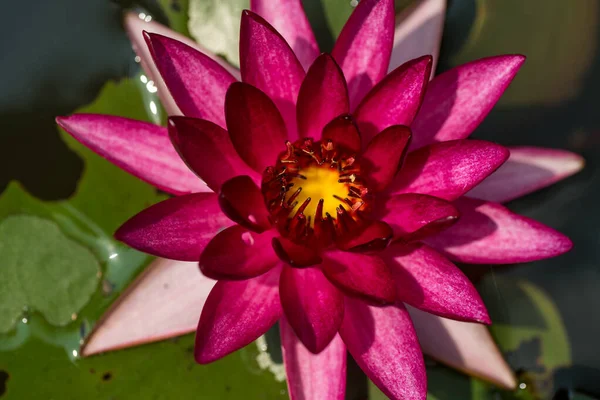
column 427, row 280
column 255, row 126
column 360, row 275
column 449, row 169
column 268, row 62
column 373, row 238
column 135, row 26
column 415, row 216
column 527, row 170
column 466, row 346
column 288, row 18
column 178, row 228
column 364, row 46
column 162, row 284
column 458, row 100
column 237, row 253
column 343, row 132
column 296, row 255
column 383, row 342
column 140, row 148
column 235, row 314
column 383, row 156
column 197, row 83
column 322, row 97
column 242, row 201
column 418, row 32
column 395, row 100
column 488, row 233
column 312, row 305
column 313, row 376
column 207, row 150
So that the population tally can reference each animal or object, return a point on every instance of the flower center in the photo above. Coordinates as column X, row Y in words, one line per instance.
column 313, row 184
column 314, row 192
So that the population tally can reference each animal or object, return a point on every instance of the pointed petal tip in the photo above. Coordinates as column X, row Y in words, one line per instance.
column 485, row 318
column 520, row 58
column 427, row 57
column 514, row 60
column 249, row 14
column 61, row 120
column 565, row 244
column 203, row 358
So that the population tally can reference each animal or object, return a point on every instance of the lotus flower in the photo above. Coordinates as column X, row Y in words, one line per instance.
column 332, row 194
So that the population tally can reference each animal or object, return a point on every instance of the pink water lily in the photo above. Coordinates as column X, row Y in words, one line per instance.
column 338, row 195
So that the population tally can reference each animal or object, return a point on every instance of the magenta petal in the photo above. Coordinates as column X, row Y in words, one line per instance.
column 364, row 46
column 313, row 376
column 197, row 83
column 178, row 228
column 527, row 170
column 395, row 100
column 207, row 150
column 312, row 305
column 343, row 132
column 466, row 346
column 373, row 238
column 162, row 284
column 140, row 148
column 458, row 100
column 383, row 342
column 322, row 97
column 255, row 126
column 427, row 280
column 360, row 275
column 488, row 233
column 414, row 216
column 237, row 313
column 268, row 62
column 383, row 156
column 418, row 32
column 242, row 201
column 289, row 19
column 296, row 255
column 449, row 169
column 237, row 253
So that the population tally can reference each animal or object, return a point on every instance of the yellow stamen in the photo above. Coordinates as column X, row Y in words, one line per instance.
column 322, row 182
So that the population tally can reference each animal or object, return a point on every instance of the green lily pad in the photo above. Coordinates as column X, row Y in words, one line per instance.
column 43, row 270
column 162, row 371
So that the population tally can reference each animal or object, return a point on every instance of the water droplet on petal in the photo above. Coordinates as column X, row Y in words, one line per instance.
column 248, row 238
